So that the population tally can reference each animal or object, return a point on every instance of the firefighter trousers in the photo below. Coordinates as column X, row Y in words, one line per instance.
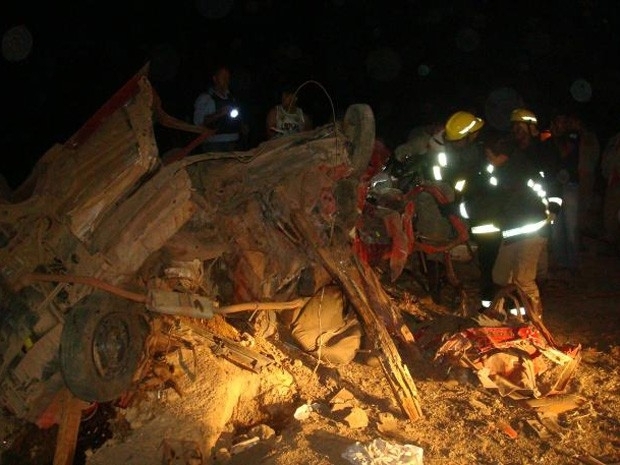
column 516, row 263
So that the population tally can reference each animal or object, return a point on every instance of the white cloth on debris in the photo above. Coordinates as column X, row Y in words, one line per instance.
column 380, row 452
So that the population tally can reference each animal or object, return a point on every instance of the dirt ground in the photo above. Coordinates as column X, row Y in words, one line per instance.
column 298, row 411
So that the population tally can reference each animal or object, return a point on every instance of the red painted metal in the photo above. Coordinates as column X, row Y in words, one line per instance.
column 120, row 98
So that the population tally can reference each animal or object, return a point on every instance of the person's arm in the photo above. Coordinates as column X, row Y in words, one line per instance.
column 170, row 121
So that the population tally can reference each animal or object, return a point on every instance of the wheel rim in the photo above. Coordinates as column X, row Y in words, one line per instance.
column 111, row 344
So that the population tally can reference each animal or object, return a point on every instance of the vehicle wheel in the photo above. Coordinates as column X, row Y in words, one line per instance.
column 101, row 345
column 359, row 127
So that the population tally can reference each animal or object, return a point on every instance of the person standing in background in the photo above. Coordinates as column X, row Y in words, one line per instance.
column 565, row 228
column 589, row 157
column 217, row 109
column 286, row 117
column 610, row 169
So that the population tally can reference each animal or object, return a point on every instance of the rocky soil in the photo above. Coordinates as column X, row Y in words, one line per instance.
column 296, row 410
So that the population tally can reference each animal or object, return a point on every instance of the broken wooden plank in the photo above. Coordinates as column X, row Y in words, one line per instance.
column 341, row 265
column 380, row 299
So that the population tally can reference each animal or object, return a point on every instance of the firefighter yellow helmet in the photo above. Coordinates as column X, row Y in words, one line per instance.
column 522, row 115
column 460, row 124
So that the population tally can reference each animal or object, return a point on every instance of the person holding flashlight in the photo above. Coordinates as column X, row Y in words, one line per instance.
column 217, row 109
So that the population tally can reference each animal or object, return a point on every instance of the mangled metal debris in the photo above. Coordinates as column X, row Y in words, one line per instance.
column 512, row 351
column 517, row 361
column 234, row 351
column 104, row 237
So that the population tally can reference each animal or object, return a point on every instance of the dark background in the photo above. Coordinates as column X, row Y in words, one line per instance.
column 414, row 62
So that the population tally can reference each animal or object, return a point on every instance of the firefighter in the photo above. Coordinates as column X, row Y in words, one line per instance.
column 524, row 127
column 544, row 156
column 440, row 156
column 507, row 203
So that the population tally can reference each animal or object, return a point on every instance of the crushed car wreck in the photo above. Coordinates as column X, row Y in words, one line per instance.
column 103, row 230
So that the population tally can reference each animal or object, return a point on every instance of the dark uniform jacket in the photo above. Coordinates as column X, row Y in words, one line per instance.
column 225, row 125
column 509, row 197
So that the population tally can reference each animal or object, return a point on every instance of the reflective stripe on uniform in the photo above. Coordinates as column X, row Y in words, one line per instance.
column 525, row 229
column 484, row 229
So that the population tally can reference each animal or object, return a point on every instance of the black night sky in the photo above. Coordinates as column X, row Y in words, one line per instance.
column 413, row 61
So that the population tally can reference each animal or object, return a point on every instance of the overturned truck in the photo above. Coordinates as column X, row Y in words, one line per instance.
column 102, row 236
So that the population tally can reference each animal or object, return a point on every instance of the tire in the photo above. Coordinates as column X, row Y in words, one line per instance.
column 101, row 345
column 359, row 127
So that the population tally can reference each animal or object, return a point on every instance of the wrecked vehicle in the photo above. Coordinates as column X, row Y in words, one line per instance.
column 106, row 233
column 108, row 238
